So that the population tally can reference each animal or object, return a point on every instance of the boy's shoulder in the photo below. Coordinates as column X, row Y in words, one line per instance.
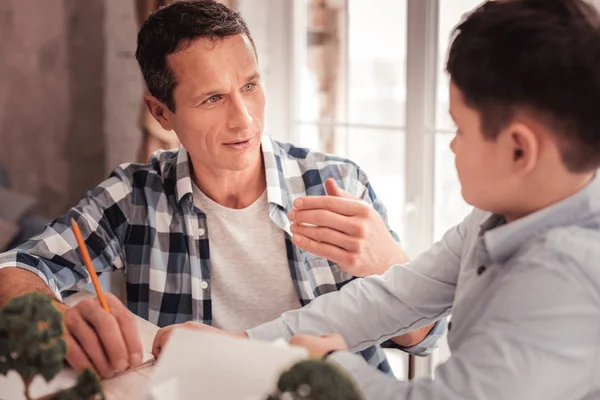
column 570, row 250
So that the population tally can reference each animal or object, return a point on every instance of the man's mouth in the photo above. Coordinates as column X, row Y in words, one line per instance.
column 240, row 144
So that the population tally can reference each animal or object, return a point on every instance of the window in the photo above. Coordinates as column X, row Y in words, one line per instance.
column 352, row 90
column 371, row 86
column 449, row 206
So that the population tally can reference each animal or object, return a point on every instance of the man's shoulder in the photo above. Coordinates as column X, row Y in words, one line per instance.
column 162, row 165
column 157, row 176
column 307, row 159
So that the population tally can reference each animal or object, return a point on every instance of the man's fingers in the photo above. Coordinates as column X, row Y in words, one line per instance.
column 338, row 205
column 129, row 330
column 327, row 235
column 328, row 219
column 325, row 250
column 76, row 357
column 86, row 339
column 107, row 329
column 333, row 189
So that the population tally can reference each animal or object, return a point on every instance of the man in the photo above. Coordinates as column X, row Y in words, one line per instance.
column 202, row 233
column 521, row 274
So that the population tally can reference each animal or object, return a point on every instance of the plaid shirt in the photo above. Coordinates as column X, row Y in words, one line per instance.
column 143, row 221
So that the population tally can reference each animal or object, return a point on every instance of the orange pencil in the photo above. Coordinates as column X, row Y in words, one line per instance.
column 89, row 266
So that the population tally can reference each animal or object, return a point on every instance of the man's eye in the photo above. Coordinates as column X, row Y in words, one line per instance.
column 213, row 99
column 249, row 86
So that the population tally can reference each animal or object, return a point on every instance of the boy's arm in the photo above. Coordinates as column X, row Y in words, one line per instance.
column 536, row 340
column 419, row 341
column 371, row 310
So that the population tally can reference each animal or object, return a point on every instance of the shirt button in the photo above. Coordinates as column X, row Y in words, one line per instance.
column 204, row 285
column 201, row 231
column 481, row 270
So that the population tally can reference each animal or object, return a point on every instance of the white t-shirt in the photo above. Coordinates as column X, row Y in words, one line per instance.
column 250, row 275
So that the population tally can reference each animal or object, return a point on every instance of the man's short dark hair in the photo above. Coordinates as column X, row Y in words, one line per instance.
column 536, row 56
column 171, row 29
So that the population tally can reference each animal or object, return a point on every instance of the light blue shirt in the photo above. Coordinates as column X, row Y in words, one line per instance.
column 525, row 304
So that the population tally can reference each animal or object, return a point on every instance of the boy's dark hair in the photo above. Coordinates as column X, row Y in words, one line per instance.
column 537, row 56
column 171, row 29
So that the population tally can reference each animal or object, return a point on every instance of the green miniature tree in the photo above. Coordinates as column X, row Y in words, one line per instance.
column 32, row 343
column 87, row 387
column 316, row 379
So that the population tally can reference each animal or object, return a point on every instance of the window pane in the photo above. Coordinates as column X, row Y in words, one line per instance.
column 376, row 86
column 449, row 206
column 327, row 138
column 352, row 71
column 450, row 15
column 321, row 59
column 380, row 153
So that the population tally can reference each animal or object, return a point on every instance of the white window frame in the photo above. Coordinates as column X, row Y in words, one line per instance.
column 422, row 51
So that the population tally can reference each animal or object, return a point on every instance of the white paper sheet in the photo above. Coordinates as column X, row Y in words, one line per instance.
column 211, row 366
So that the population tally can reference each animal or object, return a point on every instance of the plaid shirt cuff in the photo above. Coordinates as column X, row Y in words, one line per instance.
column 4, row 263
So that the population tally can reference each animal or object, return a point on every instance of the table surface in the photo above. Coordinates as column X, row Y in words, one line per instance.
column 128, row 385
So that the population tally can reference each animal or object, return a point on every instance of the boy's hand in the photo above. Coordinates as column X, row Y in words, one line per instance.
column 346, row 231
column 162, row 336
column 318, row 346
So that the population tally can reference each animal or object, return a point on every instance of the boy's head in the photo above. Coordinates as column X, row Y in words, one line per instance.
column 525, row 96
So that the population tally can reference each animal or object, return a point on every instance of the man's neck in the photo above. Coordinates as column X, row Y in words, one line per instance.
column 231, row 189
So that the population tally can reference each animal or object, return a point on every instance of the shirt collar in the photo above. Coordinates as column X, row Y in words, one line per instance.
column 275, row 174
column 503, row 240
column 183, row 175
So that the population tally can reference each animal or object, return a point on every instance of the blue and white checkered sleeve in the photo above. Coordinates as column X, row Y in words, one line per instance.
column 368, row 195
column 53, row 254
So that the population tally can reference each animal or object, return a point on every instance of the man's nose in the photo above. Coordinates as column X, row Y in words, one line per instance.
column 239, row 118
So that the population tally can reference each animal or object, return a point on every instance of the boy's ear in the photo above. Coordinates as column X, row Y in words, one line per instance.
column 525, row 146
column 160, row 112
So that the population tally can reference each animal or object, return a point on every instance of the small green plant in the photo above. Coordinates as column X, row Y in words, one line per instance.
column 316, row 380
column 87, row 387
column 32, row 343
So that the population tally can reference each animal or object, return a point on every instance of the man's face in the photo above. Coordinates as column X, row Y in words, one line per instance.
column 219, row 102
column 484, row 167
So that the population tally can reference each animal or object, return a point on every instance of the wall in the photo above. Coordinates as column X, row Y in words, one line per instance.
column 69, row 93
column 123, row 84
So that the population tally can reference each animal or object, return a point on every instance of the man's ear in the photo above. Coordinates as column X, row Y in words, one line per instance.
column 524, row 145
column 160, row 112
